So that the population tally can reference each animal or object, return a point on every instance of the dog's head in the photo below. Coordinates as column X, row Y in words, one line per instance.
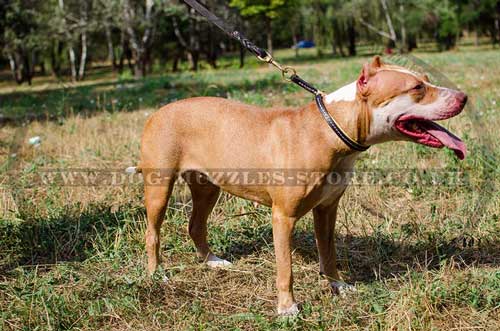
column 404, row 105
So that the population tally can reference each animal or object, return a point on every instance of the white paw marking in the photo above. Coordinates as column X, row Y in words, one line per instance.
column 290, row 311
column 131, row 170
column 341, row 288
column 215, row 262
column 165, row 279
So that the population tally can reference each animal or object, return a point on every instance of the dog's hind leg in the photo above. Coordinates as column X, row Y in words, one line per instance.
column 157, row 190
column 204, row 195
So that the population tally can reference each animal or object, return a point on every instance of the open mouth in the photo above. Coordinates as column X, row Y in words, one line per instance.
column 431, row 134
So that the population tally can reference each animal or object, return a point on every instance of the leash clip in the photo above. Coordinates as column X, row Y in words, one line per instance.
column 268, row 58
column 288, row 73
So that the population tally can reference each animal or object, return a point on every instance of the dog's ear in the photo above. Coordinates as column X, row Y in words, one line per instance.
column 425, row 78
column 376, row 62
column 369, row 69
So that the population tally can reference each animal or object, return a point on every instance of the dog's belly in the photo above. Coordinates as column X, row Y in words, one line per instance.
column 301, row 198
column 251, row 193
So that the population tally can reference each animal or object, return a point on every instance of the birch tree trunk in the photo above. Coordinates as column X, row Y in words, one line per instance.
column 83, row 57
column 109, row 42
column 138, row 46
column 72, row 61
column 14, row 69
column 71, row 51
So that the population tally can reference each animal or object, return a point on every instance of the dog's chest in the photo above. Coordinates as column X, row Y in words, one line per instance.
column 334, row 184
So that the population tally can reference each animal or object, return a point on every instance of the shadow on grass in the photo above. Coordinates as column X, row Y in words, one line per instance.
column 66, row 238
column 69, row 238
column 123, row 95
column 378, row 256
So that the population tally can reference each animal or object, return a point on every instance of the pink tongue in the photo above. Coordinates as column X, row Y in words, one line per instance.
column 448, row 139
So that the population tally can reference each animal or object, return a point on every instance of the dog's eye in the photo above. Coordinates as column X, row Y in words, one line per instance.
column 419, row 87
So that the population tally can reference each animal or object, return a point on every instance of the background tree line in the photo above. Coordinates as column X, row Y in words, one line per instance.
column 64, row 37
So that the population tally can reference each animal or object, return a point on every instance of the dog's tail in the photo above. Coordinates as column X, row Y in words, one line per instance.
column 133, row 170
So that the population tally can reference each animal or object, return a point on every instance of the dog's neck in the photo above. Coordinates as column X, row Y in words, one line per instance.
column 345, row 93
column 351, row 113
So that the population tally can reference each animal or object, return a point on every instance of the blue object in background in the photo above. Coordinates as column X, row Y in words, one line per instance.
column 304, row 44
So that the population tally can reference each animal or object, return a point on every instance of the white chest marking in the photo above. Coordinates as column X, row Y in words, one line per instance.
column 346, row 93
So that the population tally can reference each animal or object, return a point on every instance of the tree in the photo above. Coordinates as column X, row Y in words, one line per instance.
column 483, row 16
column 139, row 22
column 22, row 38
column 268, row 10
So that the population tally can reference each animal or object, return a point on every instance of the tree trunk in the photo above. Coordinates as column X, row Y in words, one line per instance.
column 139, row 62
column 72, row 57
column 72, row 61
column 14, row 69
column 43, row 71
column 83, row 57
column 122, row 51
column 192, row 48
column 27, row 66
column 111, row 49
column 295, row 41
column 389, row 20
column 193, row 58
column 497, row 29
column 269, row 35
column 242, row 56
column 175, row 62
column 412, row 42
column 404, row 46
column 334, row 40
column 139, row 47
column 497, row 23
column 212, row 50
column 351, row 32
column 340, row 36
column 55, row 58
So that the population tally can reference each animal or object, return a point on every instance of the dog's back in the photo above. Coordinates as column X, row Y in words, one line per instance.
column 200, row 132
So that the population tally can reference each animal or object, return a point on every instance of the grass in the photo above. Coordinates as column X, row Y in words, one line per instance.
column 71, row 257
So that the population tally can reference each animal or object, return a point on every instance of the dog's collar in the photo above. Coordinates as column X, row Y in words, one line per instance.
column 353, row 144
column 318, row 95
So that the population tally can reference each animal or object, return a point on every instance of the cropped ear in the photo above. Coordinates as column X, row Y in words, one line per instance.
column 369, row 69
column 376, row 62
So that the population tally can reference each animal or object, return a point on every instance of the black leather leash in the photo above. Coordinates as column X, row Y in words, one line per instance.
column 288, row 73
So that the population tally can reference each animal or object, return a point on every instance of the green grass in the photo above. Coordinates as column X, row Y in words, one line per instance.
column 422, row 256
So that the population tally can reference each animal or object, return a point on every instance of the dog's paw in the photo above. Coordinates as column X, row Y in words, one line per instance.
column 341, row 288
column 293, row 310
column 215, row 262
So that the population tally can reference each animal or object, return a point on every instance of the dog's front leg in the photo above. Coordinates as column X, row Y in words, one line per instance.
column 282, row 236
column 324, row 228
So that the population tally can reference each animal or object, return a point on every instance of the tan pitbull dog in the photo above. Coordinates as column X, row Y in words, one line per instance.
column 192, row 137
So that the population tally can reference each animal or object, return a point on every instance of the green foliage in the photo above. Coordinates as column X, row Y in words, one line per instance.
column 269, row 8
column 448, row 20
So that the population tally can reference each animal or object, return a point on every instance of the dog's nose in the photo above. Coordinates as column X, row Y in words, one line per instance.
column 462, row 99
